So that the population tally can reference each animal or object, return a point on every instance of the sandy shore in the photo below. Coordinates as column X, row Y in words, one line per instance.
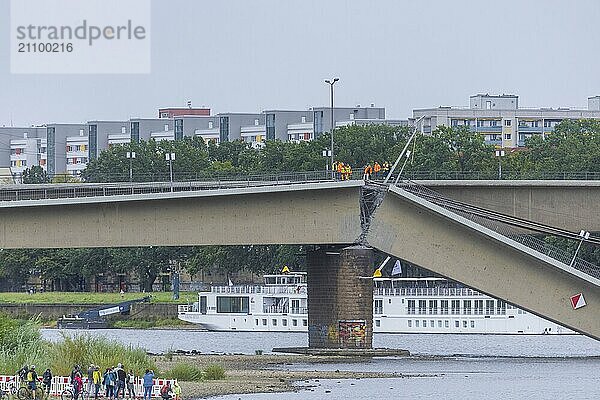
column 262, row 373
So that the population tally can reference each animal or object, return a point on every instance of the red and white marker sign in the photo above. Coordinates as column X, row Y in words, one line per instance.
column 577, row 301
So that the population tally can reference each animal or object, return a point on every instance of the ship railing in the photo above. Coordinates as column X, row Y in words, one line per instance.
column 298, row 310
column 275, row 310
column 425, row 292
column 249, row 289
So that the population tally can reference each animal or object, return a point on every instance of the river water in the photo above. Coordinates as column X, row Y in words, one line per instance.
column 450, row 366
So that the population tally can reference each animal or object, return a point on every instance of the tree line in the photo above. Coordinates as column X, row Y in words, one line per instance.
column 574, row 146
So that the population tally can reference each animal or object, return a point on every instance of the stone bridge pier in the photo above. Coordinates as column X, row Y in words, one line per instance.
column 340, row 297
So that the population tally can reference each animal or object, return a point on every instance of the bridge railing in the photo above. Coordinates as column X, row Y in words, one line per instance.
column 76, row 190
column 518, row 234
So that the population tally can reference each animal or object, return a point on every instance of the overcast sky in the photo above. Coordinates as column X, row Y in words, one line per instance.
column 247, row 55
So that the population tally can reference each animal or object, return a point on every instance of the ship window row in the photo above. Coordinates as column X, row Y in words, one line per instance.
column 275, row 322
column 440, row 324
column 454, row 307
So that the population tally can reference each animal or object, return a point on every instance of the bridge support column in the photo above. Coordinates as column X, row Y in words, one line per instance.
column 340, row 302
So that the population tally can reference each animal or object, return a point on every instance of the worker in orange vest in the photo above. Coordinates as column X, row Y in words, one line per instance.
column 376, row 169
column 368, row 172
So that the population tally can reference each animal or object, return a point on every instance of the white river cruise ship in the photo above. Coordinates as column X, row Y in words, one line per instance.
column 400, row 305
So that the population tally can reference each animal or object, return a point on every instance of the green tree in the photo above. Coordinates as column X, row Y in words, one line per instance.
column 35, row 174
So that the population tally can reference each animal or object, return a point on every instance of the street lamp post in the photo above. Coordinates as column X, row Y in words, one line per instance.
column 131, row 157
column 327, row 153
column 170, row 157
column 500, row 154
column 332, row 82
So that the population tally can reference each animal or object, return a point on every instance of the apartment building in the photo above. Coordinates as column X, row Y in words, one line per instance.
column 21, row 148
column 501, row 120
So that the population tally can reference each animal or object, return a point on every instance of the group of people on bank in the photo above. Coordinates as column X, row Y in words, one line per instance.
column 113, row 383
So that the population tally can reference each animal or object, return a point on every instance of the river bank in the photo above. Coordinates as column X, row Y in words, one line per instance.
column 247, row 374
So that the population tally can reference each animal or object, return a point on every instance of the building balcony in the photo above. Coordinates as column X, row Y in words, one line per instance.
column 74, row 154
column 530, row 129
column 495, row 142
column 497, row 128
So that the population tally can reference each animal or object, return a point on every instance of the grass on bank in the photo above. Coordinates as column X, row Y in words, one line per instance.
column 191, row 373
column 92, row 298
column 21, row 343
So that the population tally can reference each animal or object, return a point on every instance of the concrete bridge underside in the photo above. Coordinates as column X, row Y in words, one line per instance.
column 426, row 238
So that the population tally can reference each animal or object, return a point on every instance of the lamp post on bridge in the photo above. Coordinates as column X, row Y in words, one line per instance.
column 500, row 154
column 130, row 156
column 170, row 157
column 332, row 82
column 327, row 153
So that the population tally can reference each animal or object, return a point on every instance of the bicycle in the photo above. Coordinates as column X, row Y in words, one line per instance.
column 25, row 393
column 69, row 393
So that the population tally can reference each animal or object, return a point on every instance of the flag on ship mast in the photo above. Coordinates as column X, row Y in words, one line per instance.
column 230, row 283
column 285, row 270
column 397, row 270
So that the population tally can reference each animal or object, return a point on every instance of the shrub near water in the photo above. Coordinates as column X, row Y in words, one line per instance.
column 85, row 350
column 214, row 372
column 184, row 372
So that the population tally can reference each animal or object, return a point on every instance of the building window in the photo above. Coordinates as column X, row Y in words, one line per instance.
column 446, row 323
column 256, row 321
column 135, row 132
column 507, row 136
column 433, row 307
column 223, row 129
column 416, row 323
column 507, row 122
column 439, row 323
column 255, row 122
column 378, row 308
column 422, row 307
column 178, row 130
column 424, row 323
column 444, row 306
column 410, row 323
column 457, row 324
column 303, row 119
column 455, row 307
column 464, row 324
column 411, row 306
column 489, row 307
column 472, row 324
column 264, row 321
column 274, row 322
column 478, row 307
column 467, row 307
column 284, row 322
column 304, row 322
column 377, row 323
column 294, row 322
column 93, row 141
column 270, row 126
column 233, row 305
column 166, row 127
